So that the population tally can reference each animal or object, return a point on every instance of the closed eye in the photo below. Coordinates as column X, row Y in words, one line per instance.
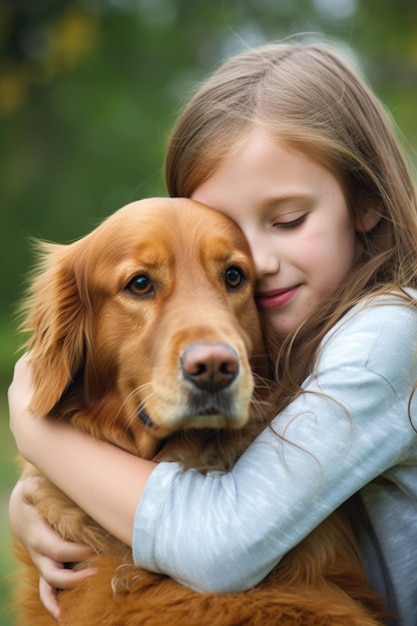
column 292, row 223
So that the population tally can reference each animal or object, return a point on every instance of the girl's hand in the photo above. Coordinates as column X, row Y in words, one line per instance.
column 48, row 550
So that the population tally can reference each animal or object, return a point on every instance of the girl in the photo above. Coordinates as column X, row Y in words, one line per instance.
column 291, row 144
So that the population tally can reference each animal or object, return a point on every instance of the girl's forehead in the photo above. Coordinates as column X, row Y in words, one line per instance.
column 263, row 154
column 265, row 174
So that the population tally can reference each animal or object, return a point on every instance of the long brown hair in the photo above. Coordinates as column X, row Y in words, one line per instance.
column 306, row 95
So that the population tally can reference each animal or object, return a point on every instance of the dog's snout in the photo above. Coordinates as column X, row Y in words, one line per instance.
column 210, row 367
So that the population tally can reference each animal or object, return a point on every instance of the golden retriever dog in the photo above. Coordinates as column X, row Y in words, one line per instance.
column 145, row 333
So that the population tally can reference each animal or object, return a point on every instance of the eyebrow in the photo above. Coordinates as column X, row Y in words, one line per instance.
column 278, row 201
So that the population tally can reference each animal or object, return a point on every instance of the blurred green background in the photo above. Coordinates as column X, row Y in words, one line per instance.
column 88, row 92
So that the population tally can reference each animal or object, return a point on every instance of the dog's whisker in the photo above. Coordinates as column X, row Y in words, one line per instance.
column 139, row 409
column 133, row 393
column 261, row 382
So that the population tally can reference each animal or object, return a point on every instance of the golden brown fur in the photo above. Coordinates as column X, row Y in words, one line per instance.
column 152, row 314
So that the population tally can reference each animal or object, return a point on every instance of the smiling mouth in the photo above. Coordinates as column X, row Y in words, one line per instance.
column 277, row 298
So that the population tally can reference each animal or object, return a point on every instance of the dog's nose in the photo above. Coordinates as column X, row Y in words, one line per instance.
column 210, row 367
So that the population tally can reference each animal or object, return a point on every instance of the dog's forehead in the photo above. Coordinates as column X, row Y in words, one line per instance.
column 173, row 222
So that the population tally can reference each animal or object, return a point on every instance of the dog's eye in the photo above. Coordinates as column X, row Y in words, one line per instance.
column 234, row 277
column 140, row 285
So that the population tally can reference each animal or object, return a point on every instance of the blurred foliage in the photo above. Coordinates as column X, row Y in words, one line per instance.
column 90, row 88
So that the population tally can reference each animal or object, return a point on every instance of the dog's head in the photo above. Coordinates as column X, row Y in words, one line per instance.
column 146, row 326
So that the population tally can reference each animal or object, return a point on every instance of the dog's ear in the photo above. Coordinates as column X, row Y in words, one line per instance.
column 55, row 320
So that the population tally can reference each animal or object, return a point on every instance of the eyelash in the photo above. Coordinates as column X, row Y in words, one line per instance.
column 292, row 224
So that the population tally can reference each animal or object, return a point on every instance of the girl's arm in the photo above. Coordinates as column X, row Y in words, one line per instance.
column 103, row 480
column 225, row 532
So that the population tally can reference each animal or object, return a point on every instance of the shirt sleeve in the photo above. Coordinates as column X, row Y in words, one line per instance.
column 225, row 532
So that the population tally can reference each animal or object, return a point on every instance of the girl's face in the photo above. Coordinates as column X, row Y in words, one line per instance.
column 295, row 217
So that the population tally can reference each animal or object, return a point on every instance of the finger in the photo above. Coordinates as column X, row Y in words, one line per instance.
column 47, row 542
column 54, row 548
column 49, row 599
column 58, row 549
column 59, row 577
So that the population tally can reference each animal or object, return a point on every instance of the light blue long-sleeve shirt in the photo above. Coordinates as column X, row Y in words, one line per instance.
column 226, row 531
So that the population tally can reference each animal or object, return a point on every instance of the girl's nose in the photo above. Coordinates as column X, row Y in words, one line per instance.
column 266, row 260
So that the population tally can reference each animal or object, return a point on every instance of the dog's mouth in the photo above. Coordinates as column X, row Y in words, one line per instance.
column 199, row 413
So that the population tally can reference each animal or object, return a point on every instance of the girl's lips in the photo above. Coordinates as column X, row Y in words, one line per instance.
column 277, row 298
